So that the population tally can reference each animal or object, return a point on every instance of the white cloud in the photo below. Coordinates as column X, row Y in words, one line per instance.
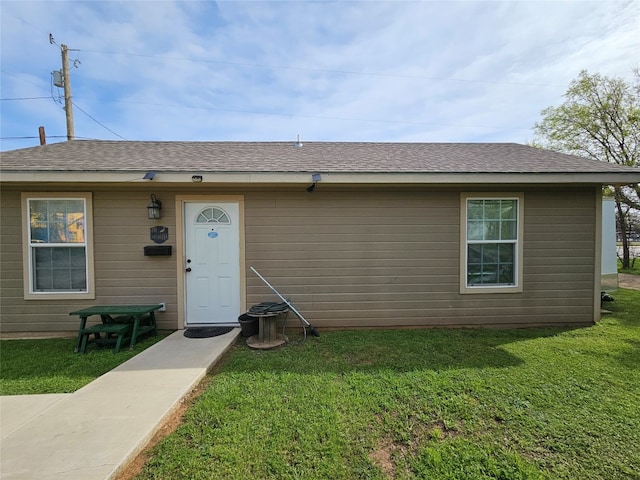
column 366, row 71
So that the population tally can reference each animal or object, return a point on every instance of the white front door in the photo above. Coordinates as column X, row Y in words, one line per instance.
column 212, row 263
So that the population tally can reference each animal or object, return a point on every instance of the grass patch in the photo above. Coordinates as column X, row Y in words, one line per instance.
column 51, row 366
column 634, row 269
column 446, row 404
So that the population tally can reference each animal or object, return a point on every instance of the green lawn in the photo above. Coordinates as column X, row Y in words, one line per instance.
column 634, row 269
column 432, row 404
column 50, row 366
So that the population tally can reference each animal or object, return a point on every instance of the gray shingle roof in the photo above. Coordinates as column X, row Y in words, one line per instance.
column 328, row 157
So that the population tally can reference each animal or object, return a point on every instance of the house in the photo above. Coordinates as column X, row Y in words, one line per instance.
column 355, row 234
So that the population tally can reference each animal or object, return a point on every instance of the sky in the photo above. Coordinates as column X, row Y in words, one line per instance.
column 364, row 71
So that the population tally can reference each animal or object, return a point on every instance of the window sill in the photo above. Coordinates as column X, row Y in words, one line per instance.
column 60, row 296
column 465, row 290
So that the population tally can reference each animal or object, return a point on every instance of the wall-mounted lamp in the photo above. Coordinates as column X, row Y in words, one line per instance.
column 154, row 208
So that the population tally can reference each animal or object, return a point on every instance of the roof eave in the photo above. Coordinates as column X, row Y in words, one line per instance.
column 343, row 178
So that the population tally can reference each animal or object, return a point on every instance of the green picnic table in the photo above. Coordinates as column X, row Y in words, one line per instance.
column 118, row 323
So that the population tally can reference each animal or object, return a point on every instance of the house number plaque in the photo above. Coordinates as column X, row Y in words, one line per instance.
column 159, row 234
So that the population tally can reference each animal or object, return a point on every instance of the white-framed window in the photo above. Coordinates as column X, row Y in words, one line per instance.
column 491, row 242
column 58, row 251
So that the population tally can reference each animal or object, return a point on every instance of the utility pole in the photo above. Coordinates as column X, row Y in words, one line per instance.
column 68, row 109
column 63, row 79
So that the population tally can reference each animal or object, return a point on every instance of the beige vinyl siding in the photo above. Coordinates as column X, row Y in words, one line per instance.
column 559, row 262
column 354, row 258
column 390, row 258
column 123, row 275
column 18, row 314
column 346, row 257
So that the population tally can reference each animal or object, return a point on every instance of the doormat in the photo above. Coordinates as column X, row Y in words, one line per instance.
column 206, row 332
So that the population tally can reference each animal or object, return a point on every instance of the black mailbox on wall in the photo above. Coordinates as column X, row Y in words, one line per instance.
column 157, row 250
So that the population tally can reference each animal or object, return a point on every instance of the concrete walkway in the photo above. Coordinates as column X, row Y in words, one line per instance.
column 94, row 432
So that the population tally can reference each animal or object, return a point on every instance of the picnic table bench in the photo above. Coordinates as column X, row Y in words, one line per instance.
column 118, row 324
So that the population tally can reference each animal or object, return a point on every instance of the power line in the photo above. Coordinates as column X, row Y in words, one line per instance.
column 312, row 69
column 98, row 122
column 31, row 138
column 322, row 117
column 22, row 79
column 24, row 98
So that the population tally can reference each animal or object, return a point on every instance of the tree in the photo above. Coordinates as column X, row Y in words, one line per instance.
column 599, row 119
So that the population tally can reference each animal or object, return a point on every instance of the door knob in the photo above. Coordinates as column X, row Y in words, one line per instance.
column 188, row 269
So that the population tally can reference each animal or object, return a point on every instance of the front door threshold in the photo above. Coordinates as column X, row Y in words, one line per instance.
column 210, row 325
